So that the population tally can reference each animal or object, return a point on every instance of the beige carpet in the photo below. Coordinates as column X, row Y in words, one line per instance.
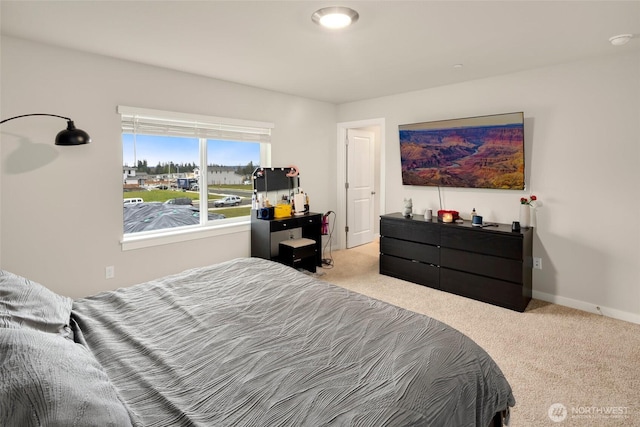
column 550, row 354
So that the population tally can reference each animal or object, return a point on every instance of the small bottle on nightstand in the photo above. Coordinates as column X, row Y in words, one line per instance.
column 473, row 213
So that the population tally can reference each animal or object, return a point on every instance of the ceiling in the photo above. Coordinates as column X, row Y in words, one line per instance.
column 395, row 47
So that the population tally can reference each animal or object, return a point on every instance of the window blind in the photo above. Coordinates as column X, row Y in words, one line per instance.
column 156, row 122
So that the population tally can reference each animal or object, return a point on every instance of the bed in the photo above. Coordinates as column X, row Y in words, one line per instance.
column 247, row 342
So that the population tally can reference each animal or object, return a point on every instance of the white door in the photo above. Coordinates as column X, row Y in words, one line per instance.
column 360, row 187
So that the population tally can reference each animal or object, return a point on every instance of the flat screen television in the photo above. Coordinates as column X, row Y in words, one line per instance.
column 474, row 152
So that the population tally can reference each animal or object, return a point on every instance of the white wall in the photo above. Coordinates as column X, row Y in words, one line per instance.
column 582, row 130
column 61, row 221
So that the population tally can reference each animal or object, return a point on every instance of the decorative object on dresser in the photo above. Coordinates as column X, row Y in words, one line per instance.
column 448, row 215
column 408, row 208
column 524, row 216
column 492, row 265
column 526, row 204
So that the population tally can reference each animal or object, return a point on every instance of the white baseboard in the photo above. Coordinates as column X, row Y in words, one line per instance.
column 588, row 307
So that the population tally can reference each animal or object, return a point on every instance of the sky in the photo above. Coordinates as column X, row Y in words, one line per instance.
column 164, row 149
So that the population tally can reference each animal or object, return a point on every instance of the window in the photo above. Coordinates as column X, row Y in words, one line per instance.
column 182, row 168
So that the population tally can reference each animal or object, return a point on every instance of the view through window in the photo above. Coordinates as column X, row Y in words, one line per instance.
column 165, row 178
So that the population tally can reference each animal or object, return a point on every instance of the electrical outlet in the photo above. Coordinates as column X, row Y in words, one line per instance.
column 109, row 272
column 537, row 263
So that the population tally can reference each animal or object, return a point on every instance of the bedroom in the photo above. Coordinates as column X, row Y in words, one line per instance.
column 583, row 157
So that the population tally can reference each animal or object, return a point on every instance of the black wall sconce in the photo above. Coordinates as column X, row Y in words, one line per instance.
column 68, row 136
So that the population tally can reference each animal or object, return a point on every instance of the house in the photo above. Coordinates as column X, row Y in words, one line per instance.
column 133, row 178
column 223, row 175
column 581, row 107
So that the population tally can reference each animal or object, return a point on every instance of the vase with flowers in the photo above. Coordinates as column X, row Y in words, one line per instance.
column 525, row 210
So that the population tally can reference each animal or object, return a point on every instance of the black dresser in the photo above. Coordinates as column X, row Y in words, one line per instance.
column 490, row 264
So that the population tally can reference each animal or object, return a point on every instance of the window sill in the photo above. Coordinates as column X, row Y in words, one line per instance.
column 183, row 234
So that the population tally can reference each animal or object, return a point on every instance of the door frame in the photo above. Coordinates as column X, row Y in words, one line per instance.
column 341, row 175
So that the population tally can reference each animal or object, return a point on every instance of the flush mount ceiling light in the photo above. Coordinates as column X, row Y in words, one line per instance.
column 335, row 17
column 620, row 39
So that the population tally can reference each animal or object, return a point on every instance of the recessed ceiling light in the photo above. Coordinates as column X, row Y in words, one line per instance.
column 620, row 39
column 458, row 65
column 335, row 17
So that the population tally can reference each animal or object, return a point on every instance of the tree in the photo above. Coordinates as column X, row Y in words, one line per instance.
column 142, row 166
column 247, row 170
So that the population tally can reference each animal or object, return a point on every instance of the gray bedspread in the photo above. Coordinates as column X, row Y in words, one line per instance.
column 254, row 343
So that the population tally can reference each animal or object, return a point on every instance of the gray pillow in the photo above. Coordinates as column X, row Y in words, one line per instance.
column 48, row 380
column 27, row 304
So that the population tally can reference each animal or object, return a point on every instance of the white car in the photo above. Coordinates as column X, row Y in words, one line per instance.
column 227, row 201
column 133, row 201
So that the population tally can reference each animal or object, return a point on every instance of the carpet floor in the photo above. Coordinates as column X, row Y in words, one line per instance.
column 566, row 367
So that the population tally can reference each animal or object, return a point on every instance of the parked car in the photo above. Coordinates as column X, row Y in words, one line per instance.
column 179, row 201
column 227, row 201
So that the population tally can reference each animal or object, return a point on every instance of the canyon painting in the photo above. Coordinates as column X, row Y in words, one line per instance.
column 476, row 152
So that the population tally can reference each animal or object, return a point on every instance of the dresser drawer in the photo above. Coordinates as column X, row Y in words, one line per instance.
column 410, row 250
column 413, row 271
column 493, row 291
column 483, row 241
column 411, row 230
column 485, row 265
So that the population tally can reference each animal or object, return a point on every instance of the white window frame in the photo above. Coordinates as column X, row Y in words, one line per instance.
column 202, row 127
